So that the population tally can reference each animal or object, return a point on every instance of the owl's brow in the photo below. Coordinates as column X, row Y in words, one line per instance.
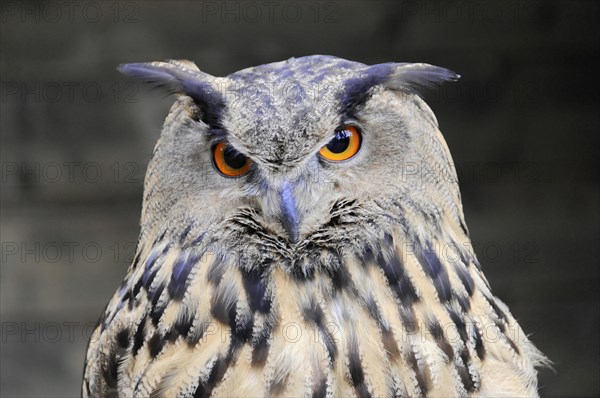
column 210, row 102
column 217, row 133
column 357, row 90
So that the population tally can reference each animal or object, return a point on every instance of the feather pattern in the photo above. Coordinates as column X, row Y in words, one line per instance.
column 376, row 291
column 215, row 334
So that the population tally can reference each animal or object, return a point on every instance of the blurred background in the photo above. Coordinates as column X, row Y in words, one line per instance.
column 522, row 125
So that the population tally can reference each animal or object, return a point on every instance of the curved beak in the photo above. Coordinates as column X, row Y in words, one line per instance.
column 290, row 218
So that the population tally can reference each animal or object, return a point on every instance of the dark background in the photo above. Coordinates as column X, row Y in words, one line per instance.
column 522, row 125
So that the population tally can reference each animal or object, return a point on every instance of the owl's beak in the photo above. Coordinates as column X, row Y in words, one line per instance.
column 290, row 218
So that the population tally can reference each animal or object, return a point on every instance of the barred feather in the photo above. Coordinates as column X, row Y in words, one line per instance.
column 405, row 320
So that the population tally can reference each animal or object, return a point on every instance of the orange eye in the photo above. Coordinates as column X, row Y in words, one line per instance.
column 230, row 162
column 343, row 146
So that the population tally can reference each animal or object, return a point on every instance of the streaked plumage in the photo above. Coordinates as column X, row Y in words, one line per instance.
column 305, row 277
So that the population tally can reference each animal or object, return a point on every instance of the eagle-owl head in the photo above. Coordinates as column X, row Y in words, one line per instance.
column 288, row 158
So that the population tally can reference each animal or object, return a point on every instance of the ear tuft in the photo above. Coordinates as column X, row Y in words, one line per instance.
column 412, row 77
column 181, row 77
column 176, row 76
column 405, row 77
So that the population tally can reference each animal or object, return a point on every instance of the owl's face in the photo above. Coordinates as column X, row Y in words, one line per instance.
column 304, row 153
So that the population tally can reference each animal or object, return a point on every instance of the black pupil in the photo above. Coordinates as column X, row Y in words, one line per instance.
column 233, row 158
column 340, row 142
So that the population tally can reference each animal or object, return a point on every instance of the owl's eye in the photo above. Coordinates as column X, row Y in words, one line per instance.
column 230, row 162
column 343, row 146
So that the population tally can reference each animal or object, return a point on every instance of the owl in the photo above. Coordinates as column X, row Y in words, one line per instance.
column 302, row 234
